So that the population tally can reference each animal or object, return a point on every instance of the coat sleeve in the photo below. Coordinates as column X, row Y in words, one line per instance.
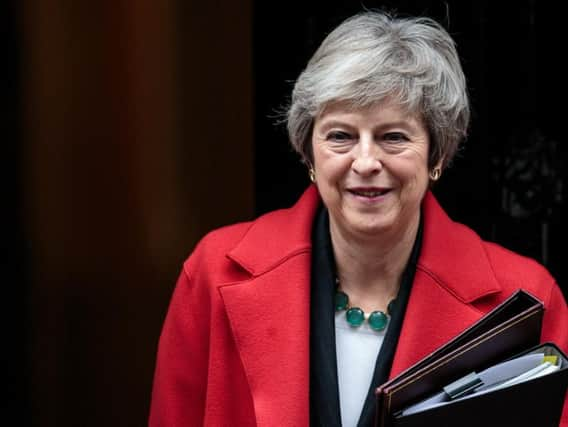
column 555, row 329
column 180, row 378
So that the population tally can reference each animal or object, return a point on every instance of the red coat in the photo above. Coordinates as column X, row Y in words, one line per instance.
column 234, row 349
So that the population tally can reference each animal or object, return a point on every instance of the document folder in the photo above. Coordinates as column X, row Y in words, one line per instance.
column 511, row 329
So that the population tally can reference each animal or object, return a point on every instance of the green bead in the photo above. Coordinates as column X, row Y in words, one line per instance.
column 378, row 320
column 341, row 301
column 355, row 316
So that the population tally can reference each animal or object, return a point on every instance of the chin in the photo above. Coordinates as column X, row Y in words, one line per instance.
column 373, row 228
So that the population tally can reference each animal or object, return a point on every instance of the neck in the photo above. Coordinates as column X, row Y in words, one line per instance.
column 370, row 270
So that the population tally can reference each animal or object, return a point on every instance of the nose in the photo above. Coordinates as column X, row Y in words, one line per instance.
column 367, row 158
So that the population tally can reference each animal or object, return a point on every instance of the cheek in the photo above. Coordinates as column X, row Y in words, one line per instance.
column 319, row 160
column 415, row 164
column 330, row 166
column 414, row 176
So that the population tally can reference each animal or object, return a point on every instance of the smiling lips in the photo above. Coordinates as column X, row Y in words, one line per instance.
column 368, row 192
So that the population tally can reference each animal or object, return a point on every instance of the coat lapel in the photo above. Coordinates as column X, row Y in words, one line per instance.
column 269, row 317
column 269, row 313
column 453, row 272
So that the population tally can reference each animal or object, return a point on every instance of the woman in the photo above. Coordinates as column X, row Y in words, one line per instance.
column 295, row 318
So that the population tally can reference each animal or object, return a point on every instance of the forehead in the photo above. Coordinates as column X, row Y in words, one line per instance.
column 386, row 110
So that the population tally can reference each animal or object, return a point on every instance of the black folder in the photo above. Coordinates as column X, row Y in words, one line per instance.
column 511, row 329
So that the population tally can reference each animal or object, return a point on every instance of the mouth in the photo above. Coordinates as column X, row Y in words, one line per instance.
column 368, row 192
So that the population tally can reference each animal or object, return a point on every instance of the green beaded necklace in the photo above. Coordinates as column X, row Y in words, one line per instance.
column 377, row 320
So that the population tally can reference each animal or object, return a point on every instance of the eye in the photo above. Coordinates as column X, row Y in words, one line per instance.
column 395, row 137
column 338, row 136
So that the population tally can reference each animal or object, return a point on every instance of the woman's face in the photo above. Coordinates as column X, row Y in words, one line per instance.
column 371, row 168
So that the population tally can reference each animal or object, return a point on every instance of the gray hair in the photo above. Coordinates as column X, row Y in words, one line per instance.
column 372, row 57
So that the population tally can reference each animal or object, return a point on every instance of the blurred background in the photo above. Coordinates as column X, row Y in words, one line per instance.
column 131, row 128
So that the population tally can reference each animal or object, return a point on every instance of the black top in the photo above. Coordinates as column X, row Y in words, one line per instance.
column 324, row 390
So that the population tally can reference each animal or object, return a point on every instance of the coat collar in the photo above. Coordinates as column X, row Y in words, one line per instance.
column 277, row 236
column 452, row 253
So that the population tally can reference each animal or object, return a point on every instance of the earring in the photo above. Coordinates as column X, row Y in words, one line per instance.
column 435, row 174
column 312, row 174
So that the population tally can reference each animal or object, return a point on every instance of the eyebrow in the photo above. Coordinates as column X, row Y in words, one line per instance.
column 402, row 124
column 335, row 122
